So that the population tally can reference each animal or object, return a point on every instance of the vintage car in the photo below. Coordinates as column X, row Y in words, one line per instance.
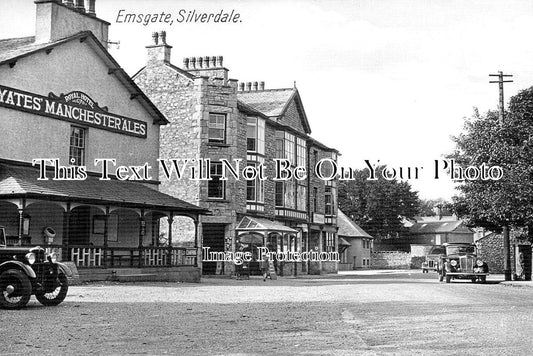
column 27, row 271
column 432, row 259
column 461, row 262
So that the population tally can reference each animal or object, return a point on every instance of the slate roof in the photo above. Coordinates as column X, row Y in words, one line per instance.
column 348, row 228
column 13, row 47
column 436, row 227
column 21, row 181
column 270, row 102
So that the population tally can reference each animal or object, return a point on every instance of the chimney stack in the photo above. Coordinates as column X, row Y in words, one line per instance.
column 58, row 19
column 159, row 50
column 208, row 66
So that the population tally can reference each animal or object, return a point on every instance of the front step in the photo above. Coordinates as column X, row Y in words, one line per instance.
column 140, row 277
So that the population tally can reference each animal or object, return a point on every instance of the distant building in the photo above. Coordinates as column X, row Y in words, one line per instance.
column 355, row 245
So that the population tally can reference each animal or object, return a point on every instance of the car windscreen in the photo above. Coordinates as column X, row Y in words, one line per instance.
column 456, row 250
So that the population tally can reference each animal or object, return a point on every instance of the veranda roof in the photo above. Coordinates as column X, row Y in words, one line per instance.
column 254, row 224
column 20, row 181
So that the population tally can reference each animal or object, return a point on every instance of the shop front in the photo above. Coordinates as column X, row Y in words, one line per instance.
column 258, row 234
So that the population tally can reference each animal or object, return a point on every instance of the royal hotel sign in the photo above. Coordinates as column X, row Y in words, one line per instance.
column 76, row 107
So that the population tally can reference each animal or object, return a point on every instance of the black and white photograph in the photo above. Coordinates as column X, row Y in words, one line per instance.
column 302, row 177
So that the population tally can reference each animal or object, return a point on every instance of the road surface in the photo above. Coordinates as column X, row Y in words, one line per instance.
column 364, row 313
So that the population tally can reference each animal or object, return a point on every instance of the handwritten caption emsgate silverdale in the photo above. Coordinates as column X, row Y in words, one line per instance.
column 182, row 16
column 283, row 170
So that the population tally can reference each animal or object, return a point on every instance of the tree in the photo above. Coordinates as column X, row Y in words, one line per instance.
column 428, row 207
column 507, row 201
column 378, row 205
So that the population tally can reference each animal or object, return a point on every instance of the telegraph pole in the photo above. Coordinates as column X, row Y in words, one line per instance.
column 506, row 239
column 500, row 82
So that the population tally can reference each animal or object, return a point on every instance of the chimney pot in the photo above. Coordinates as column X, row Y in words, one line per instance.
column 163, row 37
column 186, row 63
column 213, row 61
column 80, row 6
column 155, row 37
column 261, row 86
column 92, row 10
column 241, row 86
column 219, row 61
column 206, row 62
column 199, row 62
column 248, row 86
column 255, row 86
column 192, row 63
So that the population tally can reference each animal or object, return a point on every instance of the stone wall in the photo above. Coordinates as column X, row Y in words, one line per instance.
column 490, row 250
column 390, row 259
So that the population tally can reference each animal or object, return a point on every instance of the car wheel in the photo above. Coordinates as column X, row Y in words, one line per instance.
column 474, row 279
column 483, row 279
column 57, row 295
column 441, row 277
column 15, row 289
column 448, row 279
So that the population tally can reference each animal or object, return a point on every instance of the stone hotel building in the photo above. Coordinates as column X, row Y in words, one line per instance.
column 214, row 117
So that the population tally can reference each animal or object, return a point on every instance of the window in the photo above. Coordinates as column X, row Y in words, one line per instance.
column 255, row 137
column 328, row 201
column 290, row 194
column 279, row 193
column 216, row 187
column 217, row 128
column 255, row 189
column 328, row 241
column 289, row 147
column 301, row 152
column 77, row 146
column 315, row 199
column 301, row 197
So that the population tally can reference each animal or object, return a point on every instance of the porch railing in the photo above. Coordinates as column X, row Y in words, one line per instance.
column 99, row 256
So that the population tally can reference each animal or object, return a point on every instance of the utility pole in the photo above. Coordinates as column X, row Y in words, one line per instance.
column 500, row 82
column 506, row 239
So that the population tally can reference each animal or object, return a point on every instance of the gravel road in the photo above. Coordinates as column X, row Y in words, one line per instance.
column 373, row 313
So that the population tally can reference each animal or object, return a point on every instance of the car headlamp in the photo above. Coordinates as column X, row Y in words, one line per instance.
column 30, row 257
column 453, row 263
column 52, row 257
column 479, row 263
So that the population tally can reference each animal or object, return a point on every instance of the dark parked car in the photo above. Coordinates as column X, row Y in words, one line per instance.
column 27, row 271
column 432, row 259
column 461, row 262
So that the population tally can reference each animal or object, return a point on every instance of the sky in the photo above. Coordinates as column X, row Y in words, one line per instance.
column 389, row 80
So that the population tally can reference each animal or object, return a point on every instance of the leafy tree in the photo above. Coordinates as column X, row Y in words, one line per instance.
column 378, row 205
column 428, row 207
column 505, row 202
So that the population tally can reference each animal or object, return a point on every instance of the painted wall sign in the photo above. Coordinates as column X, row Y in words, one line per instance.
column 76, row 107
